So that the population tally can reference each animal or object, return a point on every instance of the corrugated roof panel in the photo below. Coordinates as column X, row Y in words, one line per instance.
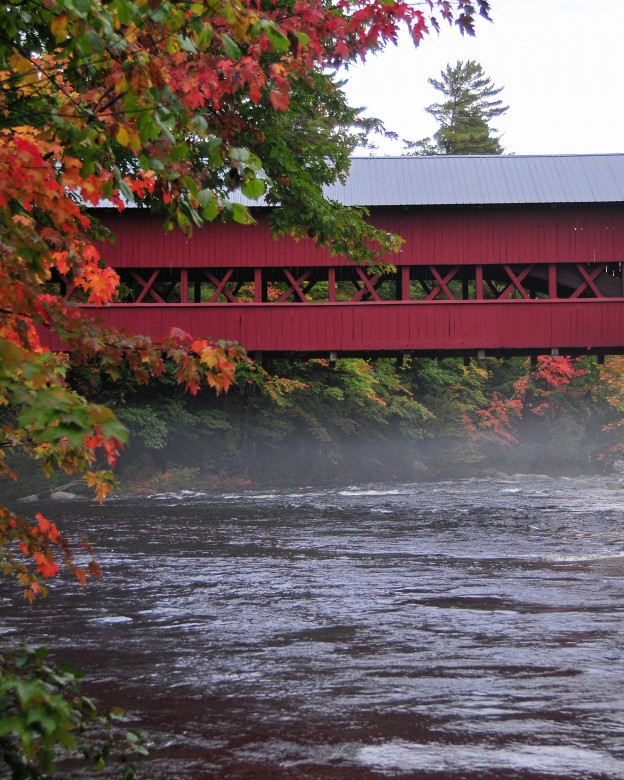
column 482, row 179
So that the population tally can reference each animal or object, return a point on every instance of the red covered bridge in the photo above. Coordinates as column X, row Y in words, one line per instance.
column 502, row 255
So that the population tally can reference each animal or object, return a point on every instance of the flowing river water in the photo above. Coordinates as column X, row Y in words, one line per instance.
column 467, row 629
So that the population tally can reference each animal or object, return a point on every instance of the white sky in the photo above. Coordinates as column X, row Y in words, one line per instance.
column 561, row 63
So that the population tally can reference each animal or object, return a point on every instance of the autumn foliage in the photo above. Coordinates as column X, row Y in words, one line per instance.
column 168, row 105
column 542, row 390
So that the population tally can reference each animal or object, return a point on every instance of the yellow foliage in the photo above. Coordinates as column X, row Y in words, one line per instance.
column 58, row 27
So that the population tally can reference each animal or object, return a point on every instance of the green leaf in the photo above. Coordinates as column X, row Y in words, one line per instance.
column 278, row 40
column 125, row 11
column 191, row 185
column 213, row 152
column 199, row 124
column 241, row 215
column 75, row 435
column 184, row 223
column 209, row 207
column 240, row 155
column 253, row 188
column 254, row 162
column 115, row 429
column 230, row 47
column 90, row 43
column 8, row 724
column 204, row 38
column 161, row 14
column 304, row 39
column 186, row 44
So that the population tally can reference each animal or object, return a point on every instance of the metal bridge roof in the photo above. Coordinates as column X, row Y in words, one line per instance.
column 447, row 180
column 482, row 180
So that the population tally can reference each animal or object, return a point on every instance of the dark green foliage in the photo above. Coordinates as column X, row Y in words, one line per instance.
column 45, row 719
column 359, row 420
column 307, row 147
column 465, row 115
column 308, row 408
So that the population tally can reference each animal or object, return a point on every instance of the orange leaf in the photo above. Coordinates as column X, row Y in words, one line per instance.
column 279, row 100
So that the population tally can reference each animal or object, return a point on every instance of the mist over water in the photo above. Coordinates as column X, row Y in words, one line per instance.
column 460, row 629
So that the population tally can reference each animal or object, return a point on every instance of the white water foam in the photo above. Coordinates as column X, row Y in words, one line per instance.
column 363, row 492
column 605, row 556
column 111, row 619
column 558, row 760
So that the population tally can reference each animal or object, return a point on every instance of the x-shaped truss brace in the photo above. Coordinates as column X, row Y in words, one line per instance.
column 443, row 282
column 70, row 287
column 296, row 286
column 516, row 281
column 220, row 286
column 589, row 277
column 148, row 286
column 369, row 286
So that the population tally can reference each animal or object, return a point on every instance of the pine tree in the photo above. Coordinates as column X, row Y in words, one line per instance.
column 464, row 117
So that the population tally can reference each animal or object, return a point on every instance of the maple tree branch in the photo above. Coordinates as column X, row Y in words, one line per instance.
column 37, row 66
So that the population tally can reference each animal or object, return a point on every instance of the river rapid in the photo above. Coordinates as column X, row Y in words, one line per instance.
column 466, row 629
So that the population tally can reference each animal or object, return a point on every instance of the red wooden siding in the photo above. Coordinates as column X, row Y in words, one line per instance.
column 509, row 234
column 453, row 236
column 522, row 325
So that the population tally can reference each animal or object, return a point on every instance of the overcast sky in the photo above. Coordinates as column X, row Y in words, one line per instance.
column 561, row 63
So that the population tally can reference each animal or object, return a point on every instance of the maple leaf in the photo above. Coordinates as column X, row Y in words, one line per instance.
column 101, row 482
column 46, row 566
column 47, row 528
column 279, row 100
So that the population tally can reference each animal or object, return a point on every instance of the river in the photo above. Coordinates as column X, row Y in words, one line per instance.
column 466, row 629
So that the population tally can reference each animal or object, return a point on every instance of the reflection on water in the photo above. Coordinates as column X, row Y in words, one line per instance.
column 465, row 629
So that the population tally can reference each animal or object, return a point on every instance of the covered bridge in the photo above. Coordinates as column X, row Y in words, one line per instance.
column 502, row 255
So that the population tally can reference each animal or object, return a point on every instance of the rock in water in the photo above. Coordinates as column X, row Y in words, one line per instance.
column 61, row 495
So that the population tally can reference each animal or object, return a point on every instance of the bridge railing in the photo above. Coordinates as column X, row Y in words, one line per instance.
column 354, row 284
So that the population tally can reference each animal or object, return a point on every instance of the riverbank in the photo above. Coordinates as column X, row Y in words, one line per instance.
column 192, row 481
column 360, row 422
